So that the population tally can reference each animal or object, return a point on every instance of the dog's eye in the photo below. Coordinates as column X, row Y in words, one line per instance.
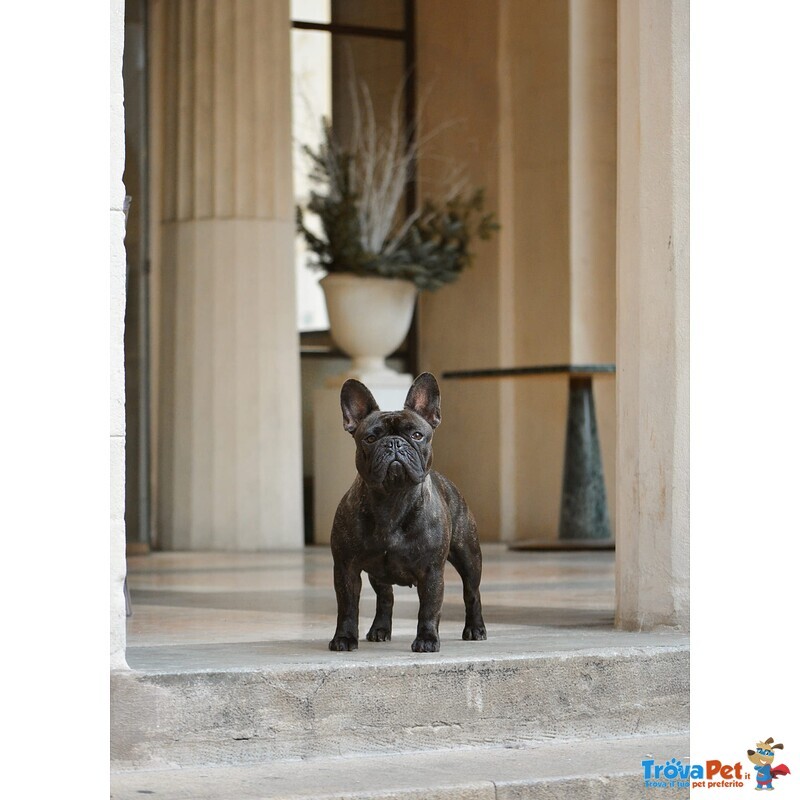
column 370, row 439
column 417, row 435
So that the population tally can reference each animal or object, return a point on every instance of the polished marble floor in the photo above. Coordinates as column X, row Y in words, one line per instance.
column 215, row 611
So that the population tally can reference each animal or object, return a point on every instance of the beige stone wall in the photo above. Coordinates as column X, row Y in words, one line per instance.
column 593, row 209
column 228, row 452
column 117, row 452
column 460, row 325
column 535, row 44
column 528, row 90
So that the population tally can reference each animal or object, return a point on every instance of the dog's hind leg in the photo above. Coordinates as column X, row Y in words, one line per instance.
column 381, row 629
column 465, row 556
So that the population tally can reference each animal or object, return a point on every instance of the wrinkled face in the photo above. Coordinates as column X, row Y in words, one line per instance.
column 393, row 449
column 761, row 756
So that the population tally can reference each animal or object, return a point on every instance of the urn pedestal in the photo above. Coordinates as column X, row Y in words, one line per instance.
column 369, row 318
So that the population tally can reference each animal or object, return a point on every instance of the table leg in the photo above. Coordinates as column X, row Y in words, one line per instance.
column 584, row 509
column 127, row 592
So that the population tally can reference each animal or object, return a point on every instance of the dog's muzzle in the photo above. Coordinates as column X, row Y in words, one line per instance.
column 394, row 443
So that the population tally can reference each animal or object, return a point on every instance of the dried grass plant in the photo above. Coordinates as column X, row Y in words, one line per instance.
column 358, row 196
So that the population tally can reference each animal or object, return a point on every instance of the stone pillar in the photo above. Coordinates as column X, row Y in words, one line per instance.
column 653, row 315
column 592, row 178
column 229, row 451
column 117, row 549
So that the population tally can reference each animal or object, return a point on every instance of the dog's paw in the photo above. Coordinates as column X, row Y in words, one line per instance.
column 474, row 633
column 341, row 643
column 379, row 635
column 425, row 644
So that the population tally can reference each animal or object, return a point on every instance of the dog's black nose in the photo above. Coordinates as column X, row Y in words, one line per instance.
column 392, row 442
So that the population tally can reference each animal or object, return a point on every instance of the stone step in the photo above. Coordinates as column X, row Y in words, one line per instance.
column 601, row 769
column 359, row 705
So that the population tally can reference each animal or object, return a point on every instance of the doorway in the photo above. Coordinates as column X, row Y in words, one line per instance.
column 137, row 314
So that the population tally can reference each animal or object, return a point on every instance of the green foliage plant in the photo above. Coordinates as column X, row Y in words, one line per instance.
column 356, row 195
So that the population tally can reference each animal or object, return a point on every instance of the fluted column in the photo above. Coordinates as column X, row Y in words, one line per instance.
column 229, row 452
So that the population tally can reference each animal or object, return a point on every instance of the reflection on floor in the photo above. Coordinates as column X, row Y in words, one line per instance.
column 244, row 610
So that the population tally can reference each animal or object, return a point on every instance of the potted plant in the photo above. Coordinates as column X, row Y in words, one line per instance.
column 377, row 258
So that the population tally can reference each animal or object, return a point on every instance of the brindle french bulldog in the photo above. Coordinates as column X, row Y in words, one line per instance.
column 400, row 521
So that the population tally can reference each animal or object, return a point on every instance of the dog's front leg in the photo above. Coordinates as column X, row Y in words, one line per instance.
column 431, row 594
column 381, row 630
column 347, row 582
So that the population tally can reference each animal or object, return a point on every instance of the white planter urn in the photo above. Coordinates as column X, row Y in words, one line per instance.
column 370, row 317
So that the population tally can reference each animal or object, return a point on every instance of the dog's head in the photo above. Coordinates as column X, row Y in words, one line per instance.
column 765, row 752
column 393, row 448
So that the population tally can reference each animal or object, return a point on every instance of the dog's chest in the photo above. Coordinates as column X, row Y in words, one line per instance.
column 395, row 555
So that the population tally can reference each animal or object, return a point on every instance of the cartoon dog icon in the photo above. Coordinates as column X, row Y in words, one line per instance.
column 762, row 757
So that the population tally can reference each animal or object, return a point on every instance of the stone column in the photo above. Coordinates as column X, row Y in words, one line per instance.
column 229, row 452
column 592, row 178
column 117, row 234
column 653, row 315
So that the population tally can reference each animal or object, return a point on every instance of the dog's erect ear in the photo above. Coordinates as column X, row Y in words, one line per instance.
column 357, row 403
column 423, row 398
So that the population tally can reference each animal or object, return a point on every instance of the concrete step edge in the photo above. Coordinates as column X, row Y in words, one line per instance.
column 600, row 769
column 352, row 662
